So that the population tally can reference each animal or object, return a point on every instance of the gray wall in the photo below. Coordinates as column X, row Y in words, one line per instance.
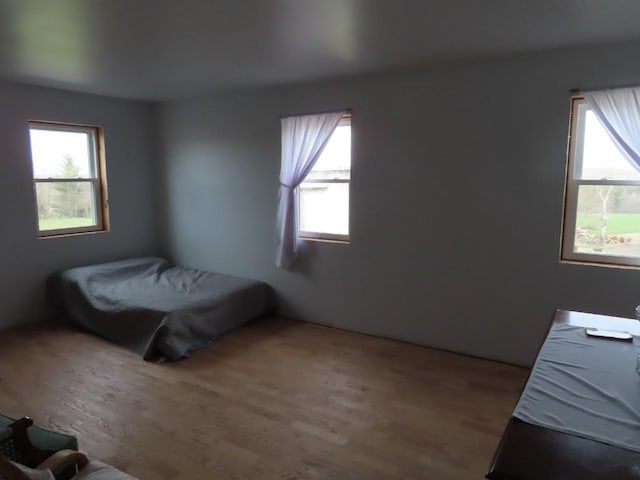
column 27, row 260
column 457, row 197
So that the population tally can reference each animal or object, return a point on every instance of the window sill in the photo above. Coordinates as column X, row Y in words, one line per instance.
column 325, row 240
column 596, row 263
column 71, row 234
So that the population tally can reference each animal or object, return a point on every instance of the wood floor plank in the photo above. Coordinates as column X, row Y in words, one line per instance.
column 277, row 399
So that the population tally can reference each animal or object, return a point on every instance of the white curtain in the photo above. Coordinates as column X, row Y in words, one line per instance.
column 619, row 112
column 303, row 139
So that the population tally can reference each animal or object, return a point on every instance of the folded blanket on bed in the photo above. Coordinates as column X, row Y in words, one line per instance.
column 152, row 307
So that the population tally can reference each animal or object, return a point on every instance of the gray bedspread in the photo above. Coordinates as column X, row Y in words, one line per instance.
column 154, row 308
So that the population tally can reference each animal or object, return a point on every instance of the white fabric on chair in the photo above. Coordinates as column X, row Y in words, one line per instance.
column 94, row 470
column 34, row 473
column 101, row 471
column 303, row 139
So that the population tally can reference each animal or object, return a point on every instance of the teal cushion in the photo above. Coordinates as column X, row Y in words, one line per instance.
column 5, row 421
column 5, row 432
column 46, row 439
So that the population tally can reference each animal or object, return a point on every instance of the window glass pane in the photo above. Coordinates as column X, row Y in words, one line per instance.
column 65, row 205
column 62, row 154
column 601, row 158
column 335, row 160
column 608, row 221
column 324, row 207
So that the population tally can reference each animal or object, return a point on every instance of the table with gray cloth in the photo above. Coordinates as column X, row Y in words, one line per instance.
column 155, row 308
column 585, row 386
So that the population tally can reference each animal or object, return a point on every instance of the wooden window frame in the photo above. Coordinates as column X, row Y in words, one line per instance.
column 323, row 236
column 98, row 179
column 579, row 108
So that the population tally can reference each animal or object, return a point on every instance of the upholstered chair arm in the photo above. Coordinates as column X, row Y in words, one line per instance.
column 65, row 463
column 33, row 455
column 60, row 460
column 9, row 471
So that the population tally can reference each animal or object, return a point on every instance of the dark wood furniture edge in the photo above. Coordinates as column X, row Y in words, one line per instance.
column 559, row 315
column 492, row 475
column 564, row 456
column 626, row 462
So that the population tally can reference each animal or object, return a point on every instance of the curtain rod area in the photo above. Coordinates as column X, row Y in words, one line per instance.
column 346, row 111
column 576, row 91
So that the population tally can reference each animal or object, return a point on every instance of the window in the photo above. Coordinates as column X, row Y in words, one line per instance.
column 69, row 178
column 602, row 204
column 323, row 197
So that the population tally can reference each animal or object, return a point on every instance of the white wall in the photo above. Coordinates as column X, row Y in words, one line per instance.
column 457, row 197
column 27, row 260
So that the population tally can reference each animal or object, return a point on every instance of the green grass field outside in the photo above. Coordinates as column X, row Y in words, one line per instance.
column 56, row 223
column 617, row 223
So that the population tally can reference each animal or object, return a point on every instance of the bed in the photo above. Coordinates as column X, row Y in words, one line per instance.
column 155, row 308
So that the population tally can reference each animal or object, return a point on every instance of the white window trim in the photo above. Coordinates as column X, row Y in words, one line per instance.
column 572, row 186
column 322, row 236
column 99, row 180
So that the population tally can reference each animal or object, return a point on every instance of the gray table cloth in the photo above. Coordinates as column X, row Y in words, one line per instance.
column 585, row 386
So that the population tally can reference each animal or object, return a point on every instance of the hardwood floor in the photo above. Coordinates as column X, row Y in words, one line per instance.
column 275, row 400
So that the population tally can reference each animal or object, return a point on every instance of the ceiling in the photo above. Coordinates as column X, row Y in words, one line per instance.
column 162, row 49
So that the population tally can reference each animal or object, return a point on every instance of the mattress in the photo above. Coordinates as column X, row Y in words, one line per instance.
column 155, row 308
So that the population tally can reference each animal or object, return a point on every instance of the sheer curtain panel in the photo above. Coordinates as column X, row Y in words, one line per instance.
column 619, row 112
column 303, row 139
